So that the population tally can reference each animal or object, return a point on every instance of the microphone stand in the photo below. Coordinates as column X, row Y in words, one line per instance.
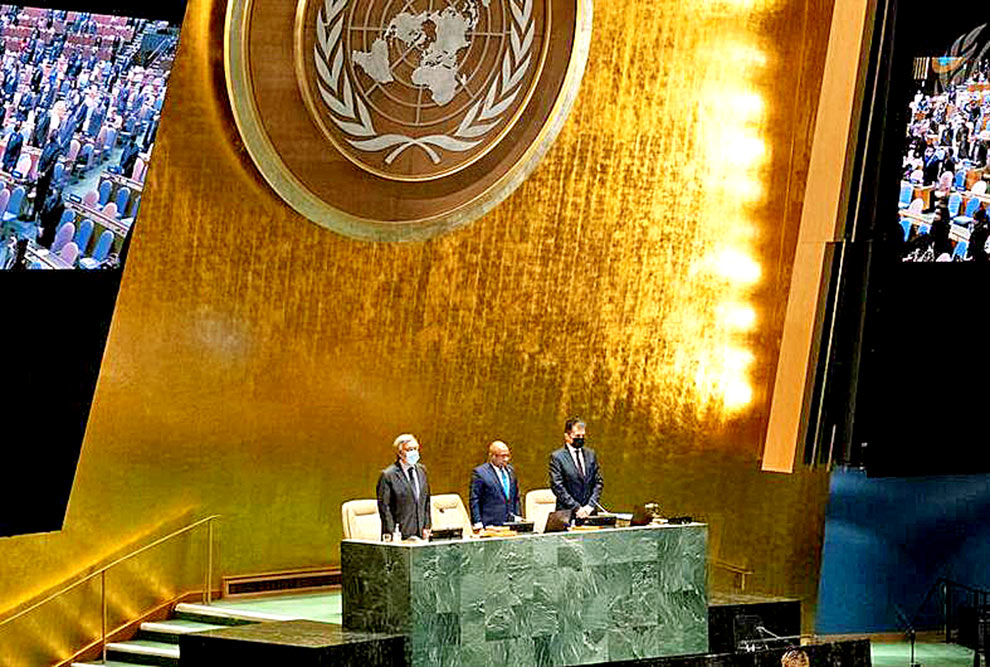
column 910, row 631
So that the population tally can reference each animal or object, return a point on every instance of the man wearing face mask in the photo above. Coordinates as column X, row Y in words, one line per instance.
column 404, row 492
column 575, row 477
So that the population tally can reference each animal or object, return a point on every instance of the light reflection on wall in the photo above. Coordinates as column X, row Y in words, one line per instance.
column 732, row 155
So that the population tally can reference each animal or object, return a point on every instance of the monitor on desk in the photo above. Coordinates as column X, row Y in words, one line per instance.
column 558, row 521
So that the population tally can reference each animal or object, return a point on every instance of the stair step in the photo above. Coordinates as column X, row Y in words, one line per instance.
column 225, row 616
column 144, row 652
column 170, row 631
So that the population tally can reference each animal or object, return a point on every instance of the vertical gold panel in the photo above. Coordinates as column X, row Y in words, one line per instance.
column 258, row 366
column 824, row 210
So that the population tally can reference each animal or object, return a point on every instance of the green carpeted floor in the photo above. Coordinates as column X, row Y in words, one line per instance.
column 314, row 606
column 927, row 655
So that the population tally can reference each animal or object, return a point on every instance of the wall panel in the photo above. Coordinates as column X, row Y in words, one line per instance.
column 259, row 366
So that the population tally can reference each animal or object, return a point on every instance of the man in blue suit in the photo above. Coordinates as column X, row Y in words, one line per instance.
column 494, row 496
column 575, row 477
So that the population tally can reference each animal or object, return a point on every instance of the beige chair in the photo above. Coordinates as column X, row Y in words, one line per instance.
column 539, row 504
column 447, row 511
column 360, row 520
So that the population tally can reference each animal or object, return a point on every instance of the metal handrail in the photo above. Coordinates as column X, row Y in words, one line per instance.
column 956, row 584
column 207, row 591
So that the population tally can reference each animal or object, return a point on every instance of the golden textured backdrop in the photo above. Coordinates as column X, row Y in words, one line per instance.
column 259, row 366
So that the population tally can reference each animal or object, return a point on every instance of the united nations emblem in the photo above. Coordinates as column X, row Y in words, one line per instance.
column 402, row 118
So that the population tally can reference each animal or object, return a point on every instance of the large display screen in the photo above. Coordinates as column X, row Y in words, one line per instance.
column 943, row 200
column 912, row 316
column 81, row 96
column 82, row 91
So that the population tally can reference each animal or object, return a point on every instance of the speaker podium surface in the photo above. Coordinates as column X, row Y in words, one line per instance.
column 541, row 599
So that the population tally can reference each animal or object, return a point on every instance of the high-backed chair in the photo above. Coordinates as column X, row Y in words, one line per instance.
column 905, row 199
column 360, row 520
column 539, row 504
column 447, row 511
column 83, row 235
column 63, row 236
column 69, row 253
column 105, row 188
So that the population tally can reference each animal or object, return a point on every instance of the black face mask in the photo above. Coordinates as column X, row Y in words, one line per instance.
column 577, row 441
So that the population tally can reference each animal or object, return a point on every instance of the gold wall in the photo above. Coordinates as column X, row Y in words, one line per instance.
column 259, row 366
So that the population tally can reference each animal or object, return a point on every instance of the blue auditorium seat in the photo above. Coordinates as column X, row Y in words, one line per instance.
column 955, row 201
column 967, row 217
column 906, row 191
column 122, row 196
column 85, row 158
column 105, row 188
column 83, row 235
column 14, row 205
column 67, row 216
column 100, row 253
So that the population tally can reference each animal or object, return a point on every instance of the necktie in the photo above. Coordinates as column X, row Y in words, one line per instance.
column 504, row 476
column 580, row 458
column 412, row 483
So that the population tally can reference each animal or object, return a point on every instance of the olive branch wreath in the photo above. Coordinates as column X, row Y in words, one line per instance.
column 350, row 113
column 965, row 48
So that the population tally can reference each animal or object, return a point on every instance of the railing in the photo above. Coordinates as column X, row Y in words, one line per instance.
column 102, row 574
column 966, row 609
column 957, row 610
column 740, row 570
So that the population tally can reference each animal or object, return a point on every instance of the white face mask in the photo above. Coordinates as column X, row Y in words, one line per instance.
column 412, row 457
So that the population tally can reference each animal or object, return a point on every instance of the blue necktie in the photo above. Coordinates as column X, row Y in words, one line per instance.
column 504, row 475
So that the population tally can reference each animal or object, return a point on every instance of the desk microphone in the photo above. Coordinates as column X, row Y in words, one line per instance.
column 600, row 508
column 760, row 628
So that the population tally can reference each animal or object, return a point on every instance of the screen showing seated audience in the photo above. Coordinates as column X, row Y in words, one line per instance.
column 942, row 208
column 81, row 96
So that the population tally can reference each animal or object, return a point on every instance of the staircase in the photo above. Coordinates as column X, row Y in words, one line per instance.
column 157, row 642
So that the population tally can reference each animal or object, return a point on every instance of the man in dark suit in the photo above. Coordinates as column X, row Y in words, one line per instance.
column 575, row 477
column 13, row 151
column 51, row 214
column 42, row 123
column 494, row 496
column 129, row 156
column 404, row 492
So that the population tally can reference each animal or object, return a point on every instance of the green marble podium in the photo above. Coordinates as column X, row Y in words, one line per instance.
column 558, row 599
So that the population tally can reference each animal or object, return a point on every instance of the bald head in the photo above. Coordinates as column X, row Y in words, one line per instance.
column 499, row 454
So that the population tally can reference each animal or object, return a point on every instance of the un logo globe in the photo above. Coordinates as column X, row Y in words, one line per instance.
column 419, row 89
column 400, row 120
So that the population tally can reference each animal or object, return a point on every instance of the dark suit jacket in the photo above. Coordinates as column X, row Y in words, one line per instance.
column 489, row 505
column 571, row 489
column 397, row 502
column 13, row 151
